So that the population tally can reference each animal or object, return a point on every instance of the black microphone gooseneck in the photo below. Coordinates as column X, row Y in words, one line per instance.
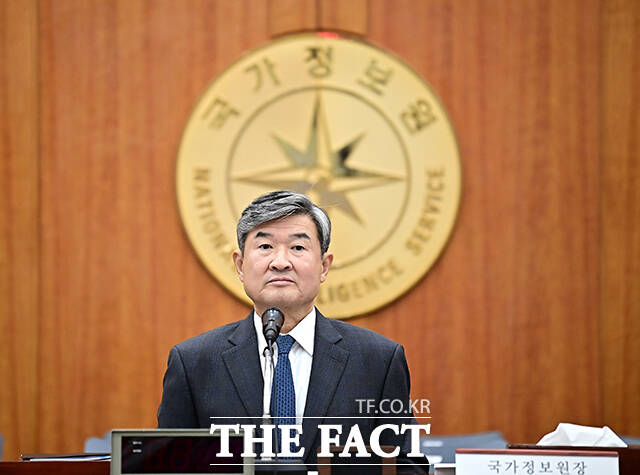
column 272, row 321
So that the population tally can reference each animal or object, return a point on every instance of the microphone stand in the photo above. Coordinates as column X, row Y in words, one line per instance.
column 269, row 372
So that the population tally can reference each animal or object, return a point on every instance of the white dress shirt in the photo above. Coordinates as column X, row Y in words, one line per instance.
column 300, row 357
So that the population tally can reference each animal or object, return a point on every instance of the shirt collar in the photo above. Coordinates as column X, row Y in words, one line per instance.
column 303, row 333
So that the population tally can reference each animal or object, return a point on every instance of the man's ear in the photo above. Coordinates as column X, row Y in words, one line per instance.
column 327, row 260
column 238, row 261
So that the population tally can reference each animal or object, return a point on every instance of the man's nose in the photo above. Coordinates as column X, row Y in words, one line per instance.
column 281, row 260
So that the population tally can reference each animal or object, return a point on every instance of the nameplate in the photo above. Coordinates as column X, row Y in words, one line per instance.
column 535, row 462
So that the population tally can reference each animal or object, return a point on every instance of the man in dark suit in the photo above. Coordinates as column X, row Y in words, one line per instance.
column 332, row 367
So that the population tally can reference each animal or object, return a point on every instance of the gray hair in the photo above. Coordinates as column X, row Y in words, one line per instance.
column 280, row 204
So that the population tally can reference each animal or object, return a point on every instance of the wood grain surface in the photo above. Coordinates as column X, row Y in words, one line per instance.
column 19, row 225
column 530, row 317
column 503, row 332
column 351, row 16
column 286, row 16
column 121, row 284
column 620, row 211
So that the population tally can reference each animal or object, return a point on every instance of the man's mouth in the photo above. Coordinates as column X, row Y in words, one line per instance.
column 280, row 281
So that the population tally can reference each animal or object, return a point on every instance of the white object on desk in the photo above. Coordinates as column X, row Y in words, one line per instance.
column 582, row 436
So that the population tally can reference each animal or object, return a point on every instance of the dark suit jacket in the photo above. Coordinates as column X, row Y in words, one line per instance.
column 218, row 374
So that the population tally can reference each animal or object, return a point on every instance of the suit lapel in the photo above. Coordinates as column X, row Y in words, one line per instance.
column 243, row 365
column 329, row 361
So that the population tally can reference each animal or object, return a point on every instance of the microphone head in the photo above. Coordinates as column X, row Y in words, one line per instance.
column 272, row 321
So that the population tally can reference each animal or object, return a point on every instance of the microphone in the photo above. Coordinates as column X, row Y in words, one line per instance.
column 272, row 321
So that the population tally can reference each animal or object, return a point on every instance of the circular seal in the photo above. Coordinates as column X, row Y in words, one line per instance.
column 351, row 126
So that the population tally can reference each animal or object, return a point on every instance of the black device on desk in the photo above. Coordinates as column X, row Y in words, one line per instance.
column 176, row 451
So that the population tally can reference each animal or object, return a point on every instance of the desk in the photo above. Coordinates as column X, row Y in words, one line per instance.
column 54, row 468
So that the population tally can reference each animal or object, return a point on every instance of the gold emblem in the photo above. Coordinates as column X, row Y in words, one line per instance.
column 344, row 122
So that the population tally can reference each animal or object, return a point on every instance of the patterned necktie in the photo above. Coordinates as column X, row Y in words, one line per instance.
column 285, row 399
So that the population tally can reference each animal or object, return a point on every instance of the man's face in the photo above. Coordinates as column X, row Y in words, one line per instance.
column 282, row 265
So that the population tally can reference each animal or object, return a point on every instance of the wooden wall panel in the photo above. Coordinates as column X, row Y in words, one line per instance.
column 19, row 214
column 496, row 326
column 121, row 284
column 350, row 16
column 620, row 205
column 286, row 16
column 289, row 16
column 529, row 318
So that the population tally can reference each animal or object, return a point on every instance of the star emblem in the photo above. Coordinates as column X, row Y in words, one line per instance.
column 321, row 170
